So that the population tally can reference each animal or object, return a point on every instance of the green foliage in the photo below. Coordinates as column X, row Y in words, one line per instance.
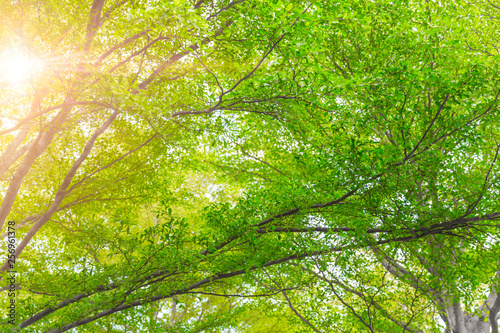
column 251, row 166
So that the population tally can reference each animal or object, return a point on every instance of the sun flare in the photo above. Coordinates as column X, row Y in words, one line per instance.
column 17, row 67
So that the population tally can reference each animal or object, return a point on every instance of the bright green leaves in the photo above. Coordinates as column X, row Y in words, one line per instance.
column 261, row 147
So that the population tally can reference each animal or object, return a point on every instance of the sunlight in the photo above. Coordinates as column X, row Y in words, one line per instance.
column 17, row 67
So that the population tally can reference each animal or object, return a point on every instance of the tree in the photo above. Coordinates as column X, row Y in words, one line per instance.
column 246, row 165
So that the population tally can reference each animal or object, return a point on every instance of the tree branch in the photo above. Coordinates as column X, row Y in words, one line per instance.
column 61, row 193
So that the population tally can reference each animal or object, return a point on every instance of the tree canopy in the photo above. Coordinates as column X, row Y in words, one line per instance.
column 250, row 166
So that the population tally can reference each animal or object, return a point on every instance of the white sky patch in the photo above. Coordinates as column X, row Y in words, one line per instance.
column 17, row 66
